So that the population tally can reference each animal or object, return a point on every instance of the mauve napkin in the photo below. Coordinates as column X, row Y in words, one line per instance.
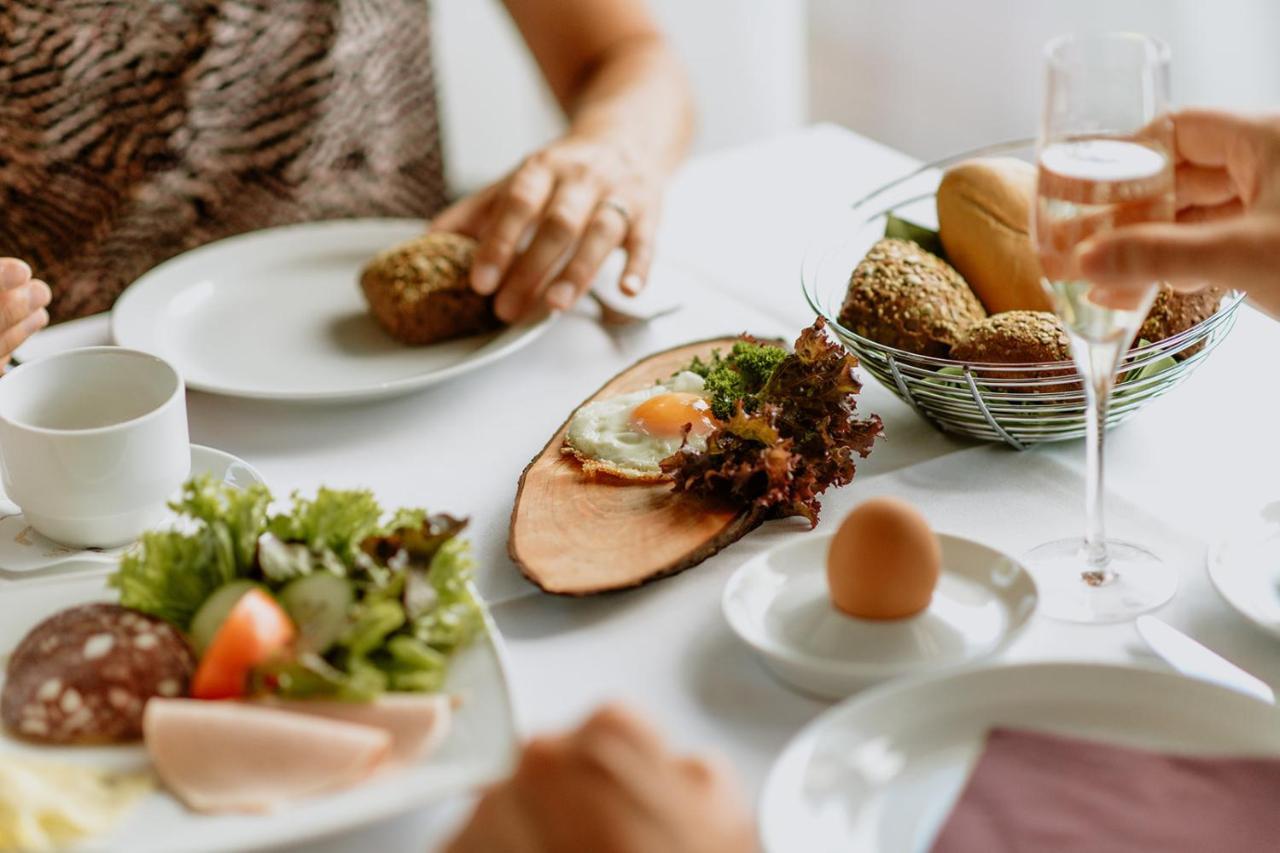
column 1051, row 794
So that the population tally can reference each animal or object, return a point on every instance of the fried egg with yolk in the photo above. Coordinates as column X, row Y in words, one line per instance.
column 629, row 435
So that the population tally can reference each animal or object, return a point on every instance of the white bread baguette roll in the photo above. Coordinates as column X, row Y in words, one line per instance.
column 984, row 221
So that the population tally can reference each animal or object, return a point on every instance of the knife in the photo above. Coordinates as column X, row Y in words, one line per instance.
column 1193, row 659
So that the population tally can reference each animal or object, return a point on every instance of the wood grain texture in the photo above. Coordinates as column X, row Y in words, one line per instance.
column 572, row 534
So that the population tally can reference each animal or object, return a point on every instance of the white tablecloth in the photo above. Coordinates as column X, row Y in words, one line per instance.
column 736, row 227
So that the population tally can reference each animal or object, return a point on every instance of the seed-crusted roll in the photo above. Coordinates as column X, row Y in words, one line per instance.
column 418, row 290
column 905, row 297
column 1173, row 313
column 1020, row 337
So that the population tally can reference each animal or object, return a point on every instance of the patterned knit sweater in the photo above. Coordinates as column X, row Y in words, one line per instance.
column 133, row 130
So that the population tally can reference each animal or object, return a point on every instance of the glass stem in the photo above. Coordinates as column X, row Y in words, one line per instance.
column 1103, row 359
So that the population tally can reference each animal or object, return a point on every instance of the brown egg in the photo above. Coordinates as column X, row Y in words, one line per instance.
column 883, row 562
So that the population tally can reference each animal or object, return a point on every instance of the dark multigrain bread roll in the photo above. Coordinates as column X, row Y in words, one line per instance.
column 418, row 290
column 1173, row 313
column 1020, row 337
column 905, row 297
column 84, row 675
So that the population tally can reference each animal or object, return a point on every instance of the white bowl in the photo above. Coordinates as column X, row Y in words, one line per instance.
column 778, row 604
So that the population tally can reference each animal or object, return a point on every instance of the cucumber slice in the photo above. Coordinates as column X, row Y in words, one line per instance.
column 213, row 612
column 319, row 605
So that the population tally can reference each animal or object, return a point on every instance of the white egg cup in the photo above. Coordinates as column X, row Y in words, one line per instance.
column 779, row 605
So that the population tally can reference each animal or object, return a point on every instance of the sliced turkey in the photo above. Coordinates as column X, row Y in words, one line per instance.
column 418, row 723
column 233, row 756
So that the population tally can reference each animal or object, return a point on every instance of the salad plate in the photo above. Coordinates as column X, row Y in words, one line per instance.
column 278, row 315
column 24, row 552
column 779, row 605
column 881, row 771
column 479, row 748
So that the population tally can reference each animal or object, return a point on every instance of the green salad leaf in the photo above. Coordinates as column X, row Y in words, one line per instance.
column 1155, row 368
column 170, row 574
column 336, row 521
column 409, row 602
column 925, row 238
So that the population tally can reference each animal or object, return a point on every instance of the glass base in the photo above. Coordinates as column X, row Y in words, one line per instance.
column 1134, row 582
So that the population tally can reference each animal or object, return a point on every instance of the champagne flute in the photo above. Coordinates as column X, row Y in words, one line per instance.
column 1105, row 160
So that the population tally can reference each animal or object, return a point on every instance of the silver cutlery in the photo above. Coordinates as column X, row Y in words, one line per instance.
column 1196, row 661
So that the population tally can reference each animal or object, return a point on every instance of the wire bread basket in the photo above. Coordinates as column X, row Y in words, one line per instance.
column 1018, row 404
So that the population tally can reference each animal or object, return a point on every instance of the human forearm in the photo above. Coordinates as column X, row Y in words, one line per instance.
column 597, row 188
column 637, row 97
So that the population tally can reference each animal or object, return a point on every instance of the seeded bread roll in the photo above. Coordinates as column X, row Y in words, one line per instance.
column 905, row 297
column 984, row 221
column 1019, row 337
column 418, row 291
column 1173, row 313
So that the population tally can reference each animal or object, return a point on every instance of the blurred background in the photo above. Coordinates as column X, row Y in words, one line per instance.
column 931, row 77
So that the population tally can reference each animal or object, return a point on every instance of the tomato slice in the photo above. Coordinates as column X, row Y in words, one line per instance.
column 256, row 629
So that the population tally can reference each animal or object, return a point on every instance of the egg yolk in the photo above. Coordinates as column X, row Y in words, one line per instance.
column 666, row 415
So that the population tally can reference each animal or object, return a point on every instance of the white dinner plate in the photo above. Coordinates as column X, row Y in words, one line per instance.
column 278, row 315
column 480, row 749
column 24, row 552
column 779, row 605
column 1245, row 567
column 881, row 772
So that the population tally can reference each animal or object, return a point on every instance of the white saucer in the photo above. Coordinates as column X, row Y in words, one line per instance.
column 778, row 604
column 1245, row 568
column 23, row 551
column 879, row 773
column 278, row 314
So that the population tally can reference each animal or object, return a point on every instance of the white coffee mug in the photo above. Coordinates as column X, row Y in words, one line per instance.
column 93, row 442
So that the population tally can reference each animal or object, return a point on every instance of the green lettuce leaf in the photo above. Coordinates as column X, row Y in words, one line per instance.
column 334, row 520
column 457, row 616
column 169, row 574
column 925, row 238
column 239, row 514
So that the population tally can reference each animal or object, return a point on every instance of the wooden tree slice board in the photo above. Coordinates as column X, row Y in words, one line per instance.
column 573, row 534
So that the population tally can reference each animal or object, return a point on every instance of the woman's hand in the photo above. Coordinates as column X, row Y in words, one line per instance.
column 579, row 199
column 22, row 305
column 1228, row 228
column 611, row 785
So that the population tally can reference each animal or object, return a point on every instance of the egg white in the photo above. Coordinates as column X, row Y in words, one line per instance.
column 602, row 436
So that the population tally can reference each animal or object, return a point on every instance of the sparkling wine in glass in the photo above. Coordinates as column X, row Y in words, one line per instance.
column 1105, row 160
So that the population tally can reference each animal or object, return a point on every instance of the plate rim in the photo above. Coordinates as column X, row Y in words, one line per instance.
column 124, row 320
column 854, row 669
column 803, row 739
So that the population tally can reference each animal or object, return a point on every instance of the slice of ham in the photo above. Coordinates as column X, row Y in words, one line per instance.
column 417, row 722
column 232, row 756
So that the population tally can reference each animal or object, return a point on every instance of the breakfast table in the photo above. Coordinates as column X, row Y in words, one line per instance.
column 736, row 227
